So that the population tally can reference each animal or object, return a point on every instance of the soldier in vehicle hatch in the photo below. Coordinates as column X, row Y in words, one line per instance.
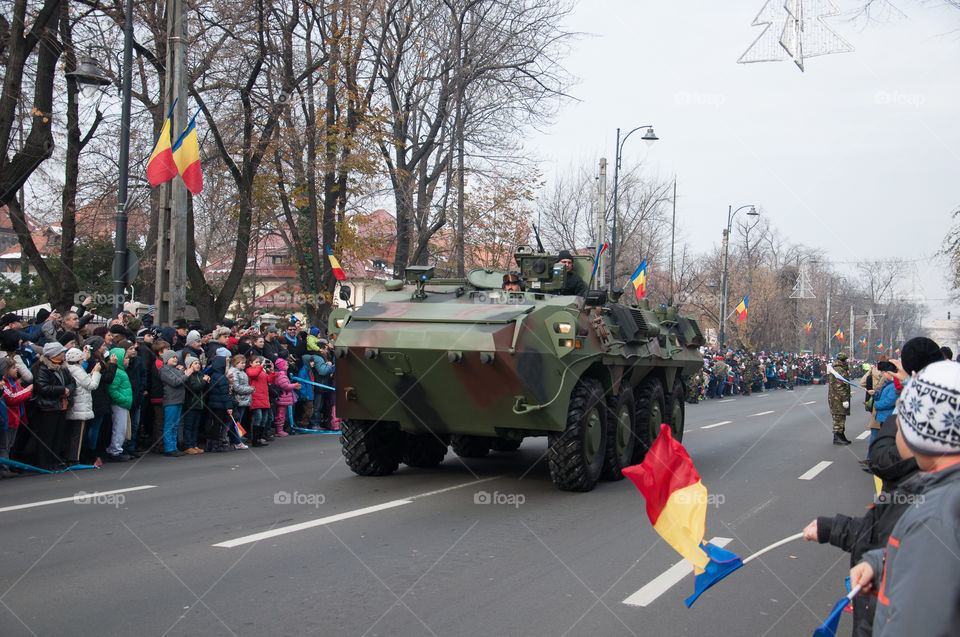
column 512, row 282
column 575, row 284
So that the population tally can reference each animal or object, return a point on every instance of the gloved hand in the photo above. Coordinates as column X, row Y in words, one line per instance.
column 846, row 404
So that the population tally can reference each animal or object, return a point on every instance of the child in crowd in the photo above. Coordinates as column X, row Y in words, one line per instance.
column 81, row 411
column 241, row 389
column 194, row 408
column 287, row 395
column 14, row 397
column 260, row 378
column 174, row 379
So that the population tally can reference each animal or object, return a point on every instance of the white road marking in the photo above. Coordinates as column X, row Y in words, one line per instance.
column 816, row 469
column 809, row 402
column 864, row 435
column 666, row 580
column 763, row 413
column 726, row 400
column 725, row 422
column 346, row 515
column 80, row 496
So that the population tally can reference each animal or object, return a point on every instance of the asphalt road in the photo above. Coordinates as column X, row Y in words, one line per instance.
column 415, row 554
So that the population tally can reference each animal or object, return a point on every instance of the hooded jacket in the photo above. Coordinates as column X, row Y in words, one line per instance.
column 260, row 381
column 241, row 388
column 120, row 390
column 82, row 408
column 173, row 380
column 196, row 390
column 917, row 575
column 101, row 395
column 282, row 381
column 50, row 382
column 14, row 397
column 218, row 392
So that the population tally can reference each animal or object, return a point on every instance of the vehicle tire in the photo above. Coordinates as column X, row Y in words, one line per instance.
column 676, row 411
column 649, row 401
column 505, row 444
column 576, row 454
column 621, row 434
column 470, row 446
column 371, row 448
column 423, row 450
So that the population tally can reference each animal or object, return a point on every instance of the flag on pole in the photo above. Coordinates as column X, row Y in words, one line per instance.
column 186, row 154
column 829, row 627
column 161, row 168
column 335, row 266
column 897, row 351
column 839, row 334
column 809, row 326
column 639, row 279
column 596, row 259
column 879, row 344
column 676, row 503
column 863, row 340
column 741, row 309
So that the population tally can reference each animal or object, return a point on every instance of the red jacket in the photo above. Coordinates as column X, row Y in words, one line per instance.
column 259, row 380
column 14, row 395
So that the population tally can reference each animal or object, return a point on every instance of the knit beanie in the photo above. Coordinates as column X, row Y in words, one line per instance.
column 190, row 360
column 919, row 352
column 74, row 355
column 9, row 340
column 929, row 409
column 314, row 331
column 193, row 336
column 50, row 350
column 66, row 337
column 94, row 343
column 223, row 351
column 42, row 315
column 564, row 254
column 6, row 363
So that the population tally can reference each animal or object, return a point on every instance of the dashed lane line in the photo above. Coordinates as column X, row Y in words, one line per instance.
column 809, row 402
column 666, row 580
column 726, row 400
column 816, row 469
column 763, row 413
column 80, row 497
column 717, row 424
column 864, row 435
column 346, row 515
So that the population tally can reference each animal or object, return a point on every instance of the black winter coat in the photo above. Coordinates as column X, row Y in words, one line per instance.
column 50, row 385
column 218, row 391
column 101, row 398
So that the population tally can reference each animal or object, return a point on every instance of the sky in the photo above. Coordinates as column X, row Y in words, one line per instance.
column 859, row 155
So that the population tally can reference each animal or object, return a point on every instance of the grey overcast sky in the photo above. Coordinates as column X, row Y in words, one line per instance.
column 859, row 155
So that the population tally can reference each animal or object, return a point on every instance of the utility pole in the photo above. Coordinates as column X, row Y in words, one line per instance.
column 827, row 325
column 673, row 238
column 171, row 286
column 853, row 334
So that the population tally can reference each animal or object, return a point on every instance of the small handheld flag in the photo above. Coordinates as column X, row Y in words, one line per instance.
column 809, row 326
column 186, row 154
column 596, row 259
column 639, row 279
column 879, row 344
column 161, row 168
column 335, row 266
column 741, row 309
column 829, row 627
column 839, row 334
column 863, row 340
column 676, row 503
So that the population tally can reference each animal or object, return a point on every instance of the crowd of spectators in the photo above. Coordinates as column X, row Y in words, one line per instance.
column 74, row 392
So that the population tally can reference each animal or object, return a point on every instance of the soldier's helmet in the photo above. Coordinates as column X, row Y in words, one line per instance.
column 512, row 277
column 841, row 356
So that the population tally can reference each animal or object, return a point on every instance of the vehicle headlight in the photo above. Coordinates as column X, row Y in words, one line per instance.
column 562, row 328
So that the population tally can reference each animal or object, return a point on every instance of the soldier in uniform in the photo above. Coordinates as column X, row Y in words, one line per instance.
column 749, row 374
column 792, row 375
column 838, row 397
column 695, row 387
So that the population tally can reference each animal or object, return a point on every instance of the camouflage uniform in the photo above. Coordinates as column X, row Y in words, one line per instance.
column 838, row 393
column 792, row 377
column 695, row 387
column 749, row 375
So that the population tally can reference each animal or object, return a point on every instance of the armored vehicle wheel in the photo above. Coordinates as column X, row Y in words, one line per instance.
column 649, row 416
column 504, row 444
column 470, row 446
column 677, row 413
column 576, row 454
column 371, row 448
column 621, row 434
column 424, row 450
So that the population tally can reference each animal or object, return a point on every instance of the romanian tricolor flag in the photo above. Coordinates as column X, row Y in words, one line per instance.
column 897, row 352
column 676, row 502
column 186, row 153
column 639, row 279
column 879, row 344
column 809, row 326
column 596, row 259
column 335, row 266
column 863, row 340
column 839, row 334
column 741, row 309
column 161, row 168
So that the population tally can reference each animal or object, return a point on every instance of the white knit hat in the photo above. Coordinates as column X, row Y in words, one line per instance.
column 929, row 409
column 74, row 355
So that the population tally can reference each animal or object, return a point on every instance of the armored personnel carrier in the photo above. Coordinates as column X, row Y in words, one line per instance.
column 433, row 363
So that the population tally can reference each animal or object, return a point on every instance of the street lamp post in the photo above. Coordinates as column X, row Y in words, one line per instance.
column 731, row 213
column 648, row 136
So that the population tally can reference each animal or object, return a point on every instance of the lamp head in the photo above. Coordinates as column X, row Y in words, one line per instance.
column 89, row 76
column 649, row 136
column 753, row 212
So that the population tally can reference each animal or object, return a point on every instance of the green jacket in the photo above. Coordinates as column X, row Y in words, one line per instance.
column 120, row 390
